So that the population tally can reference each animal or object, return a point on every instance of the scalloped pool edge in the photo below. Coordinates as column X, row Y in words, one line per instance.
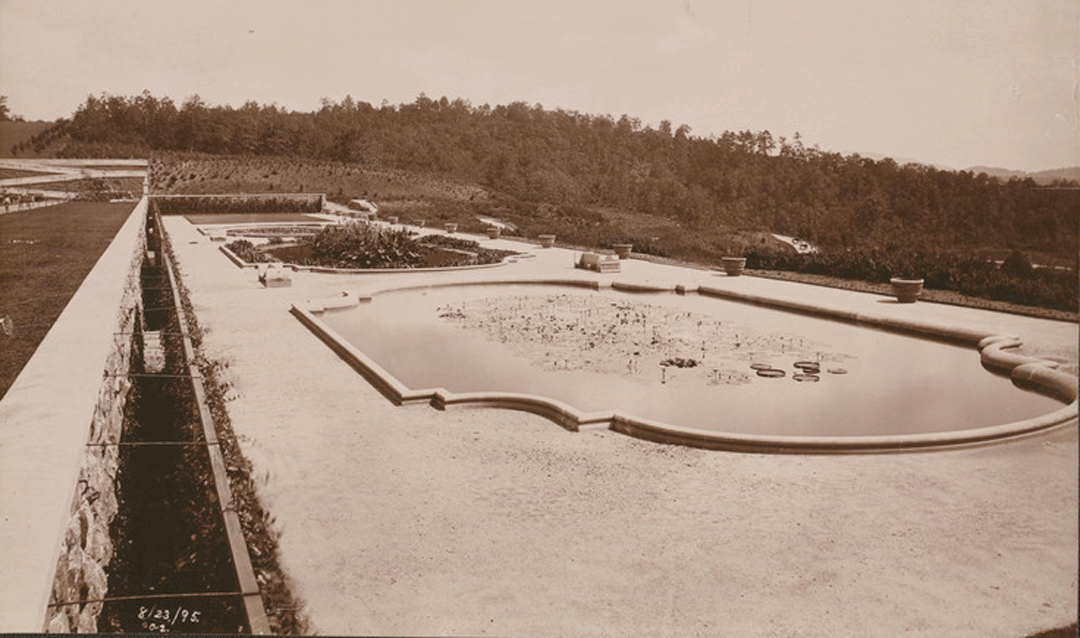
column 994, row 350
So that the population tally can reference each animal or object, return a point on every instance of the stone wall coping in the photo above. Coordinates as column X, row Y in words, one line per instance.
column 45, row 419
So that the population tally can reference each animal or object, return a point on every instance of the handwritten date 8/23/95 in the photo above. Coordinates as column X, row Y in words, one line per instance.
column 163, row 620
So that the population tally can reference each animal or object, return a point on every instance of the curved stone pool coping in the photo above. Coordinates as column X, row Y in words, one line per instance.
column 995, row 354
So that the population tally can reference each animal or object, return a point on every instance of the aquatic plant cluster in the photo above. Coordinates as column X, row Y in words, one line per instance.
column 643, row 341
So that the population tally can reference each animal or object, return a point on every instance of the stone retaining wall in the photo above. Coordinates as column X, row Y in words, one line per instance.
column 86, row 548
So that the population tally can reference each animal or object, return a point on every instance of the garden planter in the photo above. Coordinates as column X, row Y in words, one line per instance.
column 623, row 250
column 494, row 232
column 733, row 266
column 906, row 290
column 274, row 276
column 392, row 220
column 547, row 241
column 450, row 227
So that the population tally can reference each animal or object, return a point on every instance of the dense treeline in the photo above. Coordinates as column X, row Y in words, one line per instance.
column 564, row 158
column 1015, row 280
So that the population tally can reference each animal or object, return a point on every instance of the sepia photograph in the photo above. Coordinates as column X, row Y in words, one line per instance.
column 754, row 318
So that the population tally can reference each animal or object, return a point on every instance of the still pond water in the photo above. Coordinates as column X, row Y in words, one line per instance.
column 683, row 360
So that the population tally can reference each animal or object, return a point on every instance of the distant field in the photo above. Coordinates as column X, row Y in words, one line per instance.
column 107, row 167
column 133, row 185
column 250, row 218
column 44, row 256
column 14, row 173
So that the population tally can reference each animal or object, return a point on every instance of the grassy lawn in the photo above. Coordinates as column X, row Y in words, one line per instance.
column 132, row 185
column 14, row 173
column 44, row 256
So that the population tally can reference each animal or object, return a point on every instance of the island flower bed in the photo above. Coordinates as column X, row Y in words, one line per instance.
column 365, row 246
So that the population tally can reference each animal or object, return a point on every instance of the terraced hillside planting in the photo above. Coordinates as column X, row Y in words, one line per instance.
column 181, row 174
column 96, row 188
column 15, row 139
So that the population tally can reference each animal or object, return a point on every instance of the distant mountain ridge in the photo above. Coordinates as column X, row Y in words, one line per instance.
column 1040, row 177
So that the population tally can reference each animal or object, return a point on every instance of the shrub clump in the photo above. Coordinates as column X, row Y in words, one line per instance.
column 362, row 245
column 247, row 251
column 359, row 245
column 1014, row 281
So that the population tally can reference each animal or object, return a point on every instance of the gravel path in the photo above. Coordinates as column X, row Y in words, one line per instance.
column 406, row 520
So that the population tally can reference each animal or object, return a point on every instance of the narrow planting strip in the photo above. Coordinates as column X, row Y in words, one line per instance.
column 245, row 573
column 284, row 612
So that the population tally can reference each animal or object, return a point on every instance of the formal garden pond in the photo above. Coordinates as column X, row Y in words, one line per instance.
column 689, row 361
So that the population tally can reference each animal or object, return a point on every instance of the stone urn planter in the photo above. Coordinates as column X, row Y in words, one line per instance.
column 450, row 227
column 623, row 250
column 392, row 220
column 547, row 241
column 733, row 266
column 494, row 232
column 906, row 289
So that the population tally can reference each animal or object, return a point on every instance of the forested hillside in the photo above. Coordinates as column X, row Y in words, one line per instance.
column 737, row 179
column 594, row 180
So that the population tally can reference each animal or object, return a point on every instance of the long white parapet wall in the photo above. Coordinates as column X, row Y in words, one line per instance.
column 45, row 422
column 995, row 352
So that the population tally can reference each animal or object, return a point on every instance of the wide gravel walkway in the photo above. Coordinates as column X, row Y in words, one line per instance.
column 406, row 520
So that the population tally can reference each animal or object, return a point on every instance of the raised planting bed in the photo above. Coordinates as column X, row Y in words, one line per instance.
column 430, row 256
column 364, row 246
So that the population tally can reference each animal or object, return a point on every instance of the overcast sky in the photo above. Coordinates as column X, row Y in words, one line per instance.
column 956, row 83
